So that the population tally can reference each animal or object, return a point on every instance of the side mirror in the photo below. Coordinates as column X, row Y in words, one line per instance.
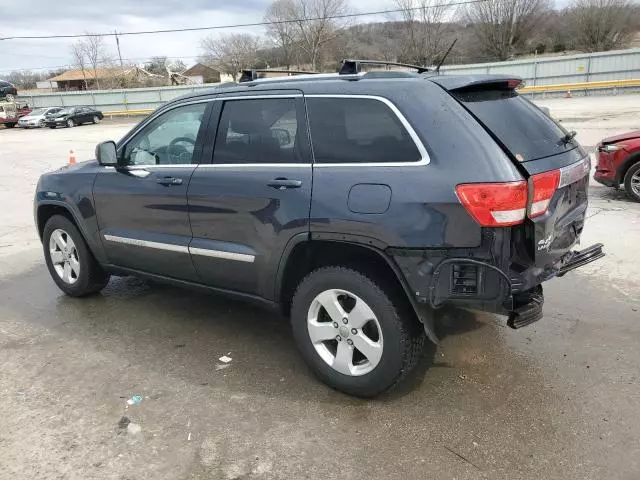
column 282, row 136
column 106, row 153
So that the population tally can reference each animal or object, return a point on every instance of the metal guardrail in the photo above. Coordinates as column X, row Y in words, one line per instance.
column 561, row 87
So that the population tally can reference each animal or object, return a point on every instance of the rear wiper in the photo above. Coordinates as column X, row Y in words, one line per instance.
column 567, row 137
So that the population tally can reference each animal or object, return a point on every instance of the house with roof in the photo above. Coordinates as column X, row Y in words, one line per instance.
column 82, row 79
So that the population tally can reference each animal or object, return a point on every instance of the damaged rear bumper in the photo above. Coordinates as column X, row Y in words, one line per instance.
column 484, row 284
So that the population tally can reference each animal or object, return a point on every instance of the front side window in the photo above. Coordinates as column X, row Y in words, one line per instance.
column 258, row 131
column 358, row 130
column 169, row 139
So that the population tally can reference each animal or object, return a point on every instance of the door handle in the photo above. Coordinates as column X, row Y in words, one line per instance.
column 284, row 183
column 168, row 181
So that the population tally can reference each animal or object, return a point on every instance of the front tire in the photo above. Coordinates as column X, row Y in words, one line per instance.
column 70, row 123
column 9, row 125
column 354, row 334
column 70, row 263
column 632, row 182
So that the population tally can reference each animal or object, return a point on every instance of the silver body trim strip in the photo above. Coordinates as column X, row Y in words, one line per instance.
column 239, row 257
column 147, row 244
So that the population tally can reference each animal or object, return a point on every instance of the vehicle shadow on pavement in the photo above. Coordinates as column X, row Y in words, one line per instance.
column 169, row 330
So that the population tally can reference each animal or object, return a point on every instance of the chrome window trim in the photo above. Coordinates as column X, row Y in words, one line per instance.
column 424, row 160
column 255, row 165
column 424, row 155
column 239, row 257
column 258, row 97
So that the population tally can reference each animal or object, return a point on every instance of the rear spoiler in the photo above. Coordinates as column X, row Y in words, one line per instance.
column 457, row 82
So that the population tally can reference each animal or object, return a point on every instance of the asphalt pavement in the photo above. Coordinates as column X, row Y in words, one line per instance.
column 558, row 399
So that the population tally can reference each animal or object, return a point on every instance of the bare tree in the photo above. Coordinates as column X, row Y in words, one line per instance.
column 80, row 61
column 503, row 26
column 282, row 33
column 89, row 53
column 231, row 53
column 424, row 38
column 598, row 25
column 95, row 52
column 316, row 24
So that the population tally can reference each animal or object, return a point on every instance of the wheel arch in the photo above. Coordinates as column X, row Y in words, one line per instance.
column 626, row 165
column 47, row 209
column 306, row 255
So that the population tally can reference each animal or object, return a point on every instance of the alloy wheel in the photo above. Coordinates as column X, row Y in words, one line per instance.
column 635, row 183
column 345, row 332
column 64, row 256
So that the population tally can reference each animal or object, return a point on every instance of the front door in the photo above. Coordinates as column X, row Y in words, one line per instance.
column 142, row 205
column 254, row 195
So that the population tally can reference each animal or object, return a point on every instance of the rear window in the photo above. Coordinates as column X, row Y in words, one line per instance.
column 523, row 128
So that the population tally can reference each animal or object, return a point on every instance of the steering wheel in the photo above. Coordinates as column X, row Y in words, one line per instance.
column 179, row 154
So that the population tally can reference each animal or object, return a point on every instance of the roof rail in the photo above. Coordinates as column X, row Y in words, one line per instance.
column 252, row 74
column 352, row 67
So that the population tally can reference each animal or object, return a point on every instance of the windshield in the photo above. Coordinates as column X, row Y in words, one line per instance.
column 63, row 111
column 38, row 111
column 523, row 128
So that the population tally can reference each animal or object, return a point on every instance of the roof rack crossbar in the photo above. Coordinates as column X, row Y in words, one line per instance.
column 352, row 67
column 252, row 74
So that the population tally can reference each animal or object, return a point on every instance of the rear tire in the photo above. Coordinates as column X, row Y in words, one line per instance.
column 632, row 182
column 70, row 263
column 391, row 341
column 96, row 119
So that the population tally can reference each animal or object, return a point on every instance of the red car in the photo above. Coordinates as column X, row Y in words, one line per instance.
column 619, row 163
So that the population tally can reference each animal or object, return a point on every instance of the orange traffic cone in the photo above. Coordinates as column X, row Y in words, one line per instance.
column 568, row 94
column 72, row 158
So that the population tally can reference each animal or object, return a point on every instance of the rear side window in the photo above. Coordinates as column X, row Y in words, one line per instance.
column 358, row 130
column 526, row 131
column 259, row 131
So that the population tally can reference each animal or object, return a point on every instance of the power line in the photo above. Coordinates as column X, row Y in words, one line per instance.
column 68, row 65
column 241, row 25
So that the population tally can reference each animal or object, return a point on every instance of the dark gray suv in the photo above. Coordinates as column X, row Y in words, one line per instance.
column 355, row 203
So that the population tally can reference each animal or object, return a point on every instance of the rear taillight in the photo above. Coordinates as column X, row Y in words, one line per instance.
column 495, row 204
column 544, row 187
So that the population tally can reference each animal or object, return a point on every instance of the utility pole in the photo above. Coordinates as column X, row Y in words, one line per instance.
column 118, row 44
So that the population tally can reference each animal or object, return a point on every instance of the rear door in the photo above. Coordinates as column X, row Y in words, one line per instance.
column 255, row 193
column 142, row 205
column 556, row 166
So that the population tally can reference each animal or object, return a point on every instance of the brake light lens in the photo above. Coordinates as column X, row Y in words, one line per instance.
column 494, row 204
column 544, row 187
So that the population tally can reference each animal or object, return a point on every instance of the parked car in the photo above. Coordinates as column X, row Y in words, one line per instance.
column 7, row 91
column 11, row 112
column 37, row 117
column 357, row 204
column 619, row 163
column 72, row 116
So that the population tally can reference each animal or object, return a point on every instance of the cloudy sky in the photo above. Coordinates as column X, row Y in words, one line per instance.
column 61, row 17
column 45, row 17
